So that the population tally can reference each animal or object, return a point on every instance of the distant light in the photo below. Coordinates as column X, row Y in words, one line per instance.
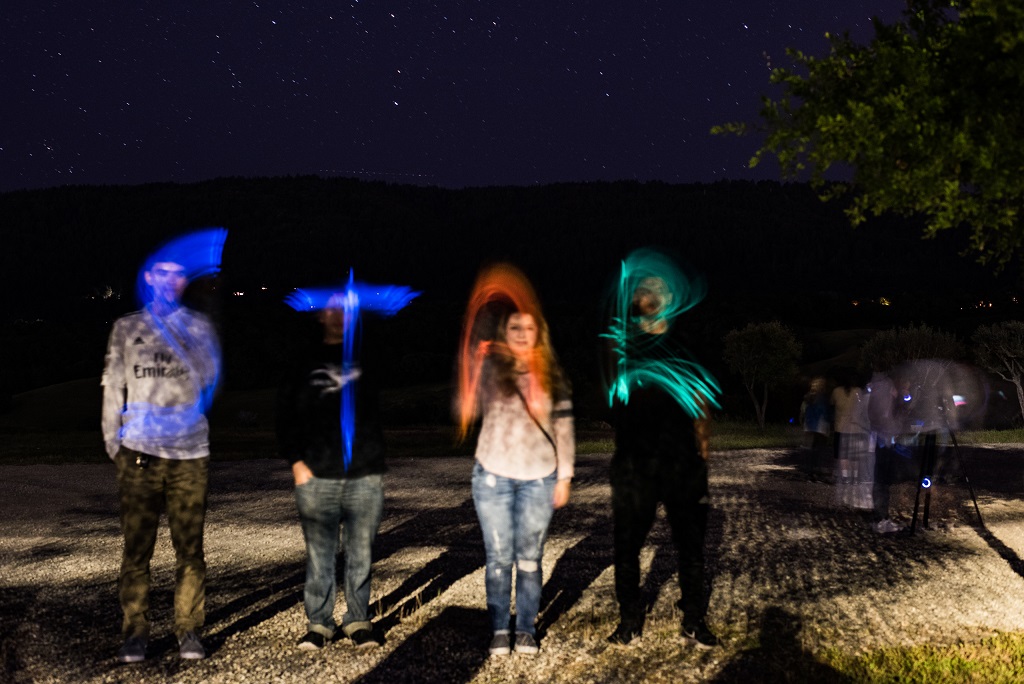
column 926, row 482
column 907, row 397
column 238, row 294
column 884, row 301
column 959, row 400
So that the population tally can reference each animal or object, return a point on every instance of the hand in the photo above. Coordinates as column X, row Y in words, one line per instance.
column 562, row 488
column 301, row 472
column 112, row 447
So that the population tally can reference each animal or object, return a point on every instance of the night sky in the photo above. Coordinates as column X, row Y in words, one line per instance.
column 455, row 94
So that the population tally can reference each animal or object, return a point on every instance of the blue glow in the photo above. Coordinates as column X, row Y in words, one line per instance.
column 907, row 397
column 350, row 305
column 352, row 299
column 204, row 392
column 643, row 359
column 926, row 482
column 199, row 253
column 386, row 300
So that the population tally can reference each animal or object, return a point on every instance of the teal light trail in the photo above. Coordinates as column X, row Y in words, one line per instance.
column 639, row 340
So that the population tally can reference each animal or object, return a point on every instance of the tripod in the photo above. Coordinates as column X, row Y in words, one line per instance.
column 928, row 470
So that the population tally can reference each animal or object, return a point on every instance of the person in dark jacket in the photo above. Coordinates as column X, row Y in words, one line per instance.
column 661, row 401
column 335, row 485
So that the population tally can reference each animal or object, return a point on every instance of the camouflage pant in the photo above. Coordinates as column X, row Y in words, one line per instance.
column 145, row 492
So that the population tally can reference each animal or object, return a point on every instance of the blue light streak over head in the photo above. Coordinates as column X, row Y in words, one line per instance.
column 387, row 300
column 352, row 298
column 199, row 253
column 192, row 343
column 644, row 359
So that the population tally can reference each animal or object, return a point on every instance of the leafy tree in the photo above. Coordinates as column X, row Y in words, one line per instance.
column 999, row 349
column 765, row 356
column 889, row 348
column 928, row 115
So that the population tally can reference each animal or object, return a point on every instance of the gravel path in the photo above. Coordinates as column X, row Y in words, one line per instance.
column 790, row 576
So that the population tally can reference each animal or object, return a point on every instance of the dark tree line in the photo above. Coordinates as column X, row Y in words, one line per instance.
column 769, row 251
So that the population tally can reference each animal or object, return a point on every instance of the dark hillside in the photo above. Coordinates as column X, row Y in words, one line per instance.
column 767, row 250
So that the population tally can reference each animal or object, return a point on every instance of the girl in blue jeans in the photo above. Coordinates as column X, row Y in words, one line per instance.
column 525, row 451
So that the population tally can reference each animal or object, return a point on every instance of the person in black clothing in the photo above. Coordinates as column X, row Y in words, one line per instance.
column 661, row 401
column 330, row 492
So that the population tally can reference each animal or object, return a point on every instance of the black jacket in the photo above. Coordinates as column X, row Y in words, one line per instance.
column 655, row 438
column 309, row 415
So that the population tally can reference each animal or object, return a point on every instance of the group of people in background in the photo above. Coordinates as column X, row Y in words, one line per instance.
column 162, row 368
column 877, row 429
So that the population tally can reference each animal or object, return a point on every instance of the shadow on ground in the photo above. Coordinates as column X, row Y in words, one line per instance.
column 779, row 658
column 451, row 648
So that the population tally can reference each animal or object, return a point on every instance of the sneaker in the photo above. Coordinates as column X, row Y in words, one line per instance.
column 133, row 651
column 698, row 634
column 887, row 526
column 623, row 634
column 364, row 638
column 190, row 647
column 313, row 641
column 525, row 643
column 501, row 644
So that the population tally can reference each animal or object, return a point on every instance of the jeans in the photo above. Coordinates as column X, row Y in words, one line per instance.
column 514, row 517
column 325, row 505
column 180, row 487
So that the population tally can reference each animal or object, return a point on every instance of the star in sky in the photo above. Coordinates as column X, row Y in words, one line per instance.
column 460, row 93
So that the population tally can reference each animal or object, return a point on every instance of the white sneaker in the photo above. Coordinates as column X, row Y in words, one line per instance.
column 133, row 651
column 887, row 526
column 501, row 644
column 190, row 647
column 525, row 643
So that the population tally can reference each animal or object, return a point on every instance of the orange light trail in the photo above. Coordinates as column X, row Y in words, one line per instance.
column 498, row 283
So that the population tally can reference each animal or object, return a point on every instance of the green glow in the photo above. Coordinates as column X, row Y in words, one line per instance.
column 646, row 359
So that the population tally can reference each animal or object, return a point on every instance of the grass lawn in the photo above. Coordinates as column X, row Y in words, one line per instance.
column 998, row 659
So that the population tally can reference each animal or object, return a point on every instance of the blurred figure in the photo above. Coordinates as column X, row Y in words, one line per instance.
column 161, row 368
column 814, row 414
column 815, row 419
column 525, row 452
column 886, row 418
column 330, row 493
column 854, row 452
column 661, row 401
column 940, row 397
